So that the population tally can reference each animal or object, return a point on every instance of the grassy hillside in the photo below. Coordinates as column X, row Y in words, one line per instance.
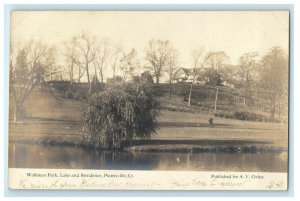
column 230, row 101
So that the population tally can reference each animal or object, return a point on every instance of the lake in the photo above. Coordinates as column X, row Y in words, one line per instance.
column 71, row 157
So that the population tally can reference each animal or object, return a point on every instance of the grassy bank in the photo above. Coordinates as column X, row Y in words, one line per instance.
column 172, row 136
column 58, row 122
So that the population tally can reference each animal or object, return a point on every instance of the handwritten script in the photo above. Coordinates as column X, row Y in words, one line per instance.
column 144, row 180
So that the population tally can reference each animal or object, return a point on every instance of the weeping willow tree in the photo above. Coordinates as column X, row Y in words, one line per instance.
column 121, row 112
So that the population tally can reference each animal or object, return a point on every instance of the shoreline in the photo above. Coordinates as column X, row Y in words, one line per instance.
column 219, row 146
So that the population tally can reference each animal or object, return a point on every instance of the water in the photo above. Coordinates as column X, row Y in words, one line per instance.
column 69, row 157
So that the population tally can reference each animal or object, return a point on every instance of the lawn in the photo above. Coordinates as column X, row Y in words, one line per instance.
column 60, row 121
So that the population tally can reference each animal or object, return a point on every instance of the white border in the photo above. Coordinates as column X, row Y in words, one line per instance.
column 296, row 61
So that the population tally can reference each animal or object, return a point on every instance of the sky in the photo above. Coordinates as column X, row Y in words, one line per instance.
column 234, row 32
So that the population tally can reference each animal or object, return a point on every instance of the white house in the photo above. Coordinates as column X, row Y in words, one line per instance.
column 186, row 75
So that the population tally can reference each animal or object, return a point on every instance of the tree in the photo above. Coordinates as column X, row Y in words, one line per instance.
column 229, row 74
column 115, row 58
column 215, row 62
column 129, row 62
column 172, row 67
column 85, row 47
column 157, row 56
column 29, row 64
column 198, row 61
column 122, row 112
column 274, row 76
column 101, row 58
column 248, row 64
column 70, row 55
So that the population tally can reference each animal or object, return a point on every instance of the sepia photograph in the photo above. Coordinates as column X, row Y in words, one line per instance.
column 142, row 94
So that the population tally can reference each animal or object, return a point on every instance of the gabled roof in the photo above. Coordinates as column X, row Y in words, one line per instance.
column 187, row 71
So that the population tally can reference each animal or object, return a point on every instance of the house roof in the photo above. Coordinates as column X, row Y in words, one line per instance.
column 187, row 71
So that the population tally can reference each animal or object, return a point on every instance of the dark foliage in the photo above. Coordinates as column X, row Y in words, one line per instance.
column 146, row 77
column 121, row 112
column 242, row 115
column 76, row 91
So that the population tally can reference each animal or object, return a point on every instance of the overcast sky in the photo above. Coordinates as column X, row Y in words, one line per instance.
column 234, row 32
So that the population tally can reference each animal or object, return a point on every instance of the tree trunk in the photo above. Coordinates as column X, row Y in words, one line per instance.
column 16, row 114
column 95, row 72
column 170, row 89
column 279, row 106
column 157, row 79
column 250, row 104
column 79, row 74
column 72, row 74
column 114, row 70
column 216, row 100
column 272, row 107
column 101, row 75
column 190, row 94
column 245, row 94
column 88, row 78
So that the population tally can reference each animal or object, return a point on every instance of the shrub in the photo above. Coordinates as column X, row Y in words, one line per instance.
column 76, row 91
column 248, row 116
column 242, row 115
column 146, row 78
column 68, row 95
column 121, row 112
column 79, row 92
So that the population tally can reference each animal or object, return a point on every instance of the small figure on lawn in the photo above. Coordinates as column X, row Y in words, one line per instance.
column 211, row 121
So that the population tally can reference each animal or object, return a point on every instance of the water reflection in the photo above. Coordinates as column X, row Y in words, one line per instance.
column 41, row 156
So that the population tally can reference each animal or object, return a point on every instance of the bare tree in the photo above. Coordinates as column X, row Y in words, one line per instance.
column 157, row 56
column 248, row 63
column 129, row 62
column 70, row 59
column 115, row 58
column 198, row 61
column 216, row 61
column 172, row 67
column 29, row 64
column 80, row 74
column 85, row 47
column 101, row 58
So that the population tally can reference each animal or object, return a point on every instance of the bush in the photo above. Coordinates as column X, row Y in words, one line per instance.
column 76, row 91
column 242, row 115
column 79, row 92
column 121, row 112
column 248, row 116
column 68, row 95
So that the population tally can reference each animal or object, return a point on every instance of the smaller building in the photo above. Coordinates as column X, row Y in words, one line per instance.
column 186, row 75
column 227, row 84
column 183, row 75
